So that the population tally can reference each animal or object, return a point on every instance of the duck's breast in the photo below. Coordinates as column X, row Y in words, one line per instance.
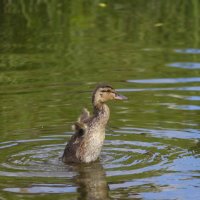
column 92, row 145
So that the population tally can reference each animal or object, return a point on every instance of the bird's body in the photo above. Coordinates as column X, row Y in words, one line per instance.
column 86, row 144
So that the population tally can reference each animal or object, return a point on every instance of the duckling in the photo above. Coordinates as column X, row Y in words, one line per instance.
column 86, row 143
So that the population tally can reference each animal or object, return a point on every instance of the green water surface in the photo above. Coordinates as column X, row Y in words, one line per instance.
column 54, row 53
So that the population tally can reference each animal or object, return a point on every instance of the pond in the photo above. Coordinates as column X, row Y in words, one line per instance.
column 52, row 56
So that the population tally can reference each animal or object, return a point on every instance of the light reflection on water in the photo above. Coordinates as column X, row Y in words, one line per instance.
column 185, row 65
column 167, row 80
column 147, row 161
column 121, row 159
column 188, row 51
column 189, row 88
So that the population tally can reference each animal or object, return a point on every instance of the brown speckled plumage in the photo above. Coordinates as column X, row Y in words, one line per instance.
column 86, row 144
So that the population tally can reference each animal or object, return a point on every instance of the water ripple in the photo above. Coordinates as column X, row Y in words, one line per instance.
column 122, row 160
column 186, row 88
column 185, row 65
column 188, row 51
column 43, row 188
column 167, row 80
column 163, row 133
column 190, row 98
column 181, row 107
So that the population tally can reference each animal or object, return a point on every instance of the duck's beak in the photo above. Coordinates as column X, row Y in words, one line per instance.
column 120, row 97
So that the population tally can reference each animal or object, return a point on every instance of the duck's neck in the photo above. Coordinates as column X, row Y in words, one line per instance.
column 102, row 113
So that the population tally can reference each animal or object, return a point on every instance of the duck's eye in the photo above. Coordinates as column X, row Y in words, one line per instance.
column 106, row 91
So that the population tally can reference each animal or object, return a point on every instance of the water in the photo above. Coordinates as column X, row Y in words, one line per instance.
column 52, row 55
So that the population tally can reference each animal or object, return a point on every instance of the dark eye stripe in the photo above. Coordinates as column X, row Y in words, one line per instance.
column 108, row 91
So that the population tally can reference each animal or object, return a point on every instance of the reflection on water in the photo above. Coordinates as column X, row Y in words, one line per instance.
column 43, row 188
column 182, row 107
column 192, row 88
column 188, row 51
column 52, row 55
column 186, row 65
column 132, row 153
column 167, row 80
column 91, row 181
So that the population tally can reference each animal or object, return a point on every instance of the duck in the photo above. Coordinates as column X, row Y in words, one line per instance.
column 86, row 143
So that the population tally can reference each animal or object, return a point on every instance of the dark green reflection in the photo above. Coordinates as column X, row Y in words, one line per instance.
column 52, row 55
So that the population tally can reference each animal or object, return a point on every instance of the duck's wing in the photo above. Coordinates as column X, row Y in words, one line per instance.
column 75, row 140
column 79, row 128
column 85, row 115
